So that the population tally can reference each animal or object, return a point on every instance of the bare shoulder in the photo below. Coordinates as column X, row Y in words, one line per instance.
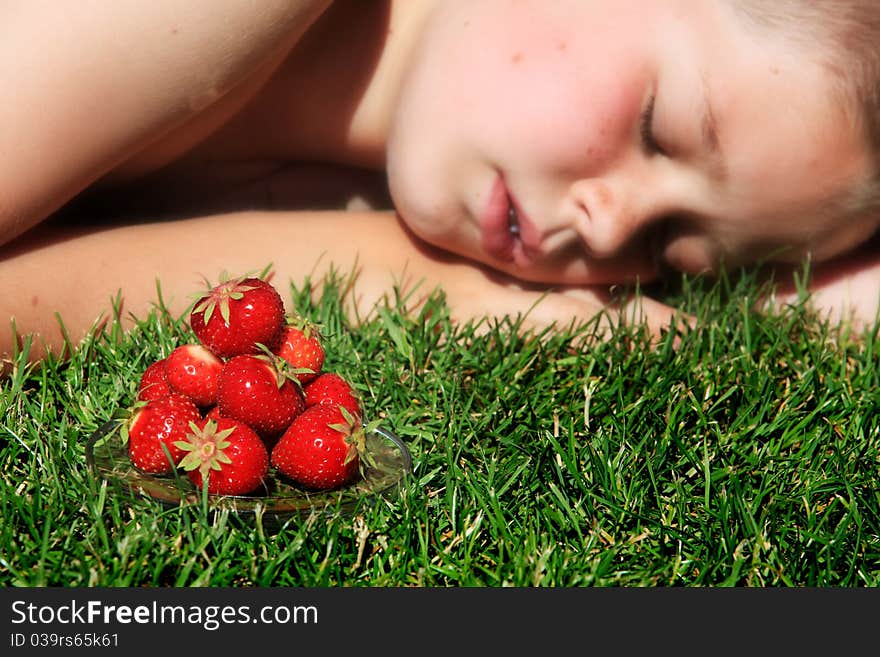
column 94, row 86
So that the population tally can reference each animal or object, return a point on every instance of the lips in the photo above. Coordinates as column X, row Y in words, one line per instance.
column 497, row 239
column 501, row 239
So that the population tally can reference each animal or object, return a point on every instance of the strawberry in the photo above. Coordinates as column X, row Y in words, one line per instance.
column 213, row 413
column 154, row 382
column 332, row 388
column 194, row 371
column 321, row 448
column 225, row 455
column 302, row 347
column 257, row 391
column 157, row 422
column 237, row 315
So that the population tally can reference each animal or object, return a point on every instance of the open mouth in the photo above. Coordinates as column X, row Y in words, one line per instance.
column 498, row 222
column 512, row 220
column 507, row 234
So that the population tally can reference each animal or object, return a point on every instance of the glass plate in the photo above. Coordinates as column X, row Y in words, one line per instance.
column 108, row 457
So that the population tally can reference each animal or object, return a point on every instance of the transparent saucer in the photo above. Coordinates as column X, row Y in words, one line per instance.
column 280, row 498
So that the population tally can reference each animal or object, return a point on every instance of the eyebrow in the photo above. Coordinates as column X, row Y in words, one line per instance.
column 709, row 133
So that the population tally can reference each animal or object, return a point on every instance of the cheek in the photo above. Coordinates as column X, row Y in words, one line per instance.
column 563, row 121
column 525, row 85
column 559, row 107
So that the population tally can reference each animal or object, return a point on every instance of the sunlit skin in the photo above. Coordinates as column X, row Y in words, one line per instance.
column 741, row 143
column 529, row 146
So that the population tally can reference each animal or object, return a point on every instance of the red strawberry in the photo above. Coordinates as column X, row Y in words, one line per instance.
column 153, row 383
column 194, row 371
column 227, row 454
column 158, row 422
column 237, row 315
column 213, row 413
column 302, row 347
column 321, row 448
column 254, row 390
column 331, row 388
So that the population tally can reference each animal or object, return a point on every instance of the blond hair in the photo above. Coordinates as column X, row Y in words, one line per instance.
column 844, row 37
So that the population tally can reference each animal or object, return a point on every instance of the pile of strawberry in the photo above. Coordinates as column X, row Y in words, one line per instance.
column 249, row 395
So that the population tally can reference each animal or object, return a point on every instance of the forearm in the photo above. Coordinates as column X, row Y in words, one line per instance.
column 91, row 84
column 846, row 289
column 77, row 276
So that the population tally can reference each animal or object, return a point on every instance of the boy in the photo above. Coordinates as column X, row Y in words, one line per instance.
column 534, row 151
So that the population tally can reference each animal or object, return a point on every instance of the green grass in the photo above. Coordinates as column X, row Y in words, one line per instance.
column 748, row 455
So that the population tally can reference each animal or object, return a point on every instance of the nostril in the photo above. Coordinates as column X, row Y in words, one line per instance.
column 583, row 227
column 604, row 220
column 599, row 217
column 606, row 234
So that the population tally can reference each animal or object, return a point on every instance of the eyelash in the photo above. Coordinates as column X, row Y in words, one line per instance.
column 647, row 132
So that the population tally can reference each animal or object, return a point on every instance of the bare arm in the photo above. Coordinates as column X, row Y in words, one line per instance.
column 78, row 275
column 88, row 84
column 846, row 289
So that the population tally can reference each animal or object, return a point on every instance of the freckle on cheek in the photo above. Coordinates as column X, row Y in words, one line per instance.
column 516, row 58
column 35, row 300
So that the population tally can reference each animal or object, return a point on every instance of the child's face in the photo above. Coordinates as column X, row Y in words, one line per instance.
column 624, row 134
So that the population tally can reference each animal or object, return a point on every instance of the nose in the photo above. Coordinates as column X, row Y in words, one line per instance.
column 606, row 216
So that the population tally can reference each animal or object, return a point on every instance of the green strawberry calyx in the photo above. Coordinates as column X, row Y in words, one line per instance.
column 283, row 370
column 126, row 418
column 306, row 326
column 218, row 298
column 355, row 434
column 204, row 448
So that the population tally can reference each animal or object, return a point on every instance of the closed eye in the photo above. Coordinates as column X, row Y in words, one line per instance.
column 646, row 128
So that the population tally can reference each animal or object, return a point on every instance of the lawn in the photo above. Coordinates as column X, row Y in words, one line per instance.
column 745, row 452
